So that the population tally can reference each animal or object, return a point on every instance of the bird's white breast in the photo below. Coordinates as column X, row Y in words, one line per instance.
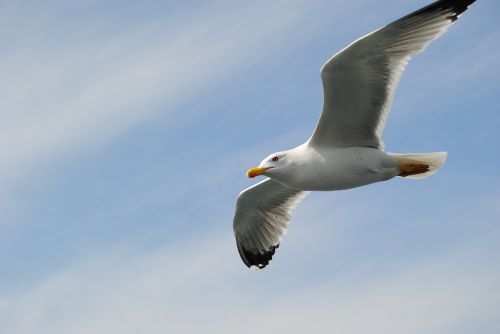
column 336, row 168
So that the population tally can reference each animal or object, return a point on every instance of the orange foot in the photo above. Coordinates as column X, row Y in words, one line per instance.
column 412, row 169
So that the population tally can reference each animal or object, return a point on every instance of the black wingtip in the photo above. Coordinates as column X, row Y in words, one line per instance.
column 260, row 260
column 454, row 7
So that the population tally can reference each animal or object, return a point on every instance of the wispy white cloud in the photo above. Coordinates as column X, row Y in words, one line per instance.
column 83, row 90
column 186, row 289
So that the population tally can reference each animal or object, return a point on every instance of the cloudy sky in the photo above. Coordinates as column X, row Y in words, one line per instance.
column 126, row 130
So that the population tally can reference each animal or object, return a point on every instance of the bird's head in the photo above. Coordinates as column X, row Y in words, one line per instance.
column 269, row 165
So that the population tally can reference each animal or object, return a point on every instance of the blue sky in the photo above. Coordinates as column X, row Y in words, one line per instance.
column 126, row 132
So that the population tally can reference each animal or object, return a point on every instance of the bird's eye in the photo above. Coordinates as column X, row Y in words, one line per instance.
column 275, row 159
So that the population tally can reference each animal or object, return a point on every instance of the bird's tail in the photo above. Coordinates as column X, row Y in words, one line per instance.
column 419, row 165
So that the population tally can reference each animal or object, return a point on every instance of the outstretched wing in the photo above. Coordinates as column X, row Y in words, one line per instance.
column 360, row 80
column 261, row 219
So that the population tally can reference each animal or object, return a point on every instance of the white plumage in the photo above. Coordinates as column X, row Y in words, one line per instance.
column 346, row 149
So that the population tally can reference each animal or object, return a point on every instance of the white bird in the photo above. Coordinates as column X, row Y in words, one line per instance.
column 345, row 150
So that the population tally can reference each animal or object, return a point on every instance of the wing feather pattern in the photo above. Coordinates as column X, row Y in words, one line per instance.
column 359, row 81
column 261, row 219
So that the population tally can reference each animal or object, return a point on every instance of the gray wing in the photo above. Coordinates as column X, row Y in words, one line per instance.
column 360, row 80
column 261, row 219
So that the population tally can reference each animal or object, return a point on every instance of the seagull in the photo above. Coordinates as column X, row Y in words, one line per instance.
column 345, row 150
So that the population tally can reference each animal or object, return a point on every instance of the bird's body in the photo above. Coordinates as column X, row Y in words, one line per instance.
column 324, row 168
column 345, row 150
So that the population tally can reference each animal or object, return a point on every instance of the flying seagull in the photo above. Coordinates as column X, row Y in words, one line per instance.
column 345, row 150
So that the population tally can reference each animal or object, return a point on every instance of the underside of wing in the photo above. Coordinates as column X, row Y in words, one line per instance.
column 359, row 82
column 261, row 219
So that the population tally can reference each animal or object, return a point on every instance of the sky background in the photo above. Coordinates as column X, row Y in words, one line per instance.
column 126, row 131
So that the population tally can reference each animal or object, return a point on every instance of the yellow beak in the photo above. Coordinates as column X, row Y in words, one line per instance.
column 256, row 171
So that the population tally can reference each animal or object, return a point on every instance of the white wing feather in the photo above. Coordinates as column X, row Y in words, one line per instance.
column 261, row 219
column 359, row 81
